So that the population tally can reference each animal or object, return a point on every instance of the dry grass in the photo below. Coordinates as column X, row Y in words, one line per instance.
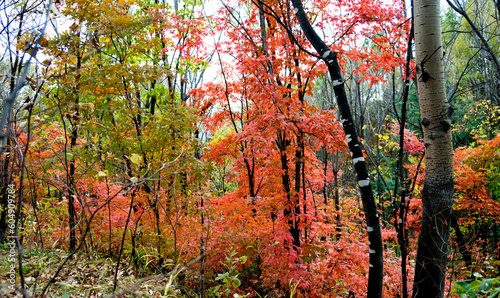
column 82, row 276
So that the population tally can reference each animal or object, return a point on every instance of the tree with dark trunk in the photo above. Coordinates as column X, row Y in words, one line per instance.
column 376, row 272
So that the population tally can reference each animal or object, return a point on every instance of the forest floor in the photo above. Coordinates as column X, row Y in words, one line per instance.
column 81, row 276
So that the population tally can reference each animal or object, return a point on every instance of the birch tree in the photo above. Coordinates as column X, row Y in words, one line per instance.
column 437, row 196
column 376, row 271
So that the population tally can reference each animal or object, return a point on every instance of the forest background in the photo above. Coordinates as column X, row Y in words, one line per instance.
column 195, row 149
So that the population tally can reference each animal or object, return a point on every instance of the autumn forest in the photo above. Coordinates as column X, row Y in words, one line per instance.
column 261, row 148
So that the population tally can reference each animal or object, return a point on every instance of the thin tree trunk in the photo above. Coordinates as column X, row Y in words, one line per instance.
column 462, row 245
column 336, row 198
column 402, row 174
column 376, row 272
column 325, row 172
column 72, row 168
column 202, row 252
column 437, row 196
column 292, row 205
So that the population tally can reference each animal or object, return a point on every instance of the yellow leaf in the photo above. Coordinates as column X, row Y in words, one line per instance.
column 102, row 174
column 136, row 159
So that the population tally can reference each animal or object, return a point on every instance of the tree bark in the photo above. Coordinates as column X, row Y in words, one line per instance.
column 437, row 196
column 376, row 273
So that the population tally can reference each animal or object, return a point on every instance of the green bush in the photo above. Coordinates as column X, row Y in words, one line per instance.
column 479, row 287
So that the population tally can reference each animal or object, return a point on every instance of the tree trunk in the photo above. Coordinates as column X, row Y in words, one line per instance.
column 376, row 272
column 402, row 173
column 437, row 197
column 292, row 208
column 462, row 245
column 72, row 193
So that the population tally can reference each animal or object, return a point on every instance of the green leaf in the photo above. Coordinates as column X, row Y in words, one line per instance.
column 475, row 285
column 471, row 294
column 495, row 294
